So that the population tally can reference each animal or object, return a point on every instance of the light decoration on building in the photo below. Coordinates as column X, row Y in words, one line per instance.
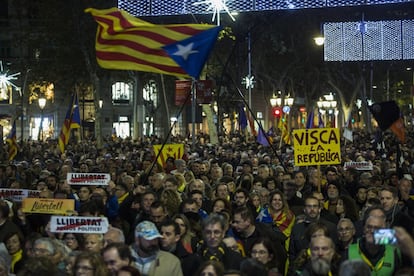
column 6, row 81
column 216, row 6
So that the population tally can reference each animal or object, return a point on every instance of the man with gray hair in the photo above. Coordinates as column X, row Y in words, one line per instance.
column 212, row 247
column 149, row 259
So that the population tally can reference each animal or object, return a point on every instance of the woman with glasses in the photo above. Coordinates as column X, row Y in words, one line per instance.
column 263, row 251
column 90, row 264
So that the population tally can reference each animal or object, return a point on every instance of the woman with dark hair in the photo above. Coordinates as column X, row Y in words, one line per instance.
column 14, row 245
column 128, row 271
column 73, row 241
column 211, row 268
column 264, row 252
column 346, row 207
column 90, row 264
column 220, row 204
column 278, row 214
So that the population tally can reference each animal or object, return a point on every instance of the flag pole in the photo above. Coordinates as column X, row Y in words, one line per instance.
column 193, row 112
column 166, row 139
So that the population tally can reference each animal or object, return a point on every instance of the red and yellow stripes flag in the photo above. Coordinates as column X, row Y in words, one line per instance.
column 285, row 131
column 170, row 150
column 127, row 43
column 11, row 141
column 72, row 120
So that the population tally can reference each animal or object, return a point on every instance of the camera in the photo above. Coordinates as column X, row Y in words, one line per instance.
column 385, row 236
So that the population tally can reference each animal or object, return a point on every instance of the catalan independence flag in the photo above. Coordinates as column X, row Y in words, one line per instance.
column 127, row 43
column 11, row 141
column 72, row 120
column 169, row 150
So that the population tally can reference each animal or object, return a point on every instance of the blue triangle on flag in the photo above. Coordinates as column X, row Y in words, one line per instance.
column 191, row 53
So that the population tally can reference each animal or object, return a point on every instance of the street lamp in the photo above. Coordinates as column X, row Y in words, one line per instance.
column 328, row 103
column 42, row 104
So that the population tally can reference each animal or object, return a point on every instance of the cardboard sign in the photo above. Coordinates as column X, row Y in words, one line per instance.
column 359, row 166
column 97, row 225
column 17, row 195
column 317, row 146
column 48, row 206
column 88, row 178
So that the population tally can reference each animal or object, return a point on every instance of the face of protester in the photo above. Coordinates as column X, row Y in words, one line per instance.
column 361, row 195
column 169, row 238
column 322, row 247
column 147, row 200
column 332, row 192
column 263, row 172
column 276, row 202
column 147, row 248
column 339, row 207
column 261, row 254
column 209, row 271
column 346, row 231
column 71, row 241
column 13, row 244
column 312, row 208
column 157, row 215
column 84, row 193
column 373, row 223
column 198, row 198
column 240, row 199
column 300, row 179
column 239, row 224
column 213, row 235
column 181, row 224
column 198, row 185
column 113, row 261
column 93, row 242
column 218, row 206
column 222, row 191
column 256, row 201
column 84, row 268
column 388, row 201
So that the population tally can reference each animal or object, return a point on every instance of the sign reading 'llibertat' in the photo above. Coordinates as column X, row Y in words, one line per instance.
column 88, row 178
column 317, row 146
column 79, row 224
column 48, row 206
column 18, row 194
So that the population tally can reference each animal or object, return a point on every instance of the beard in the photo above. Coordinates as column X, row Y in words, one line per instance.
column 320, row 266
column 150, row 250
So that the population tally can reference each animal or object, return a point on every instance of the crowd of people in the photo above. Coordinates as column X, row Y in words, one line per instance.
column 237, row 208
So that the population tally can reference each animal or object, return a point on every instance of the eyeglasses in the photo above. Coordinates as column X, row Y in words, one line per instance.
column 84, row 268
column 343, row 230
column 259, row 252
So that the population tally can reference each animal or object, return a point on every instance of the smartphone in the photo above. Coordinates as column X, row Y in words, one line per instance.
column 385, row 236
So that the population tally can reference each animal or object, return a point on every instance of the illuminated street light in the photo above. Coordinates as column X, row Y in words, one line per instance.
column 42, row 105
column 319, row 40
column 216, row 6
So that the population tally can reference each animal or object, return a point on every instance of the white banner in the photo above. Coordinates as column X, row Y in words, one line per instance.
column 88, row 178
column 18, row 194
column 64, row 224
column 359, row 166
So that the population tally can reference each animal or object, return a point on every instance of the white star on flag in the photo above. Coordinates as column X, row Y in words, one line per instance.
column 185, row 51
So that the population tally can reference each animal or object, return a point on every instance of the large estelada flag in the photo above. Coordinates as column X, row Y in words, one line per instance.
column 388, row 116
column 72, row 120
column 11, row 141
column 169, row 150
column 125, row 42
